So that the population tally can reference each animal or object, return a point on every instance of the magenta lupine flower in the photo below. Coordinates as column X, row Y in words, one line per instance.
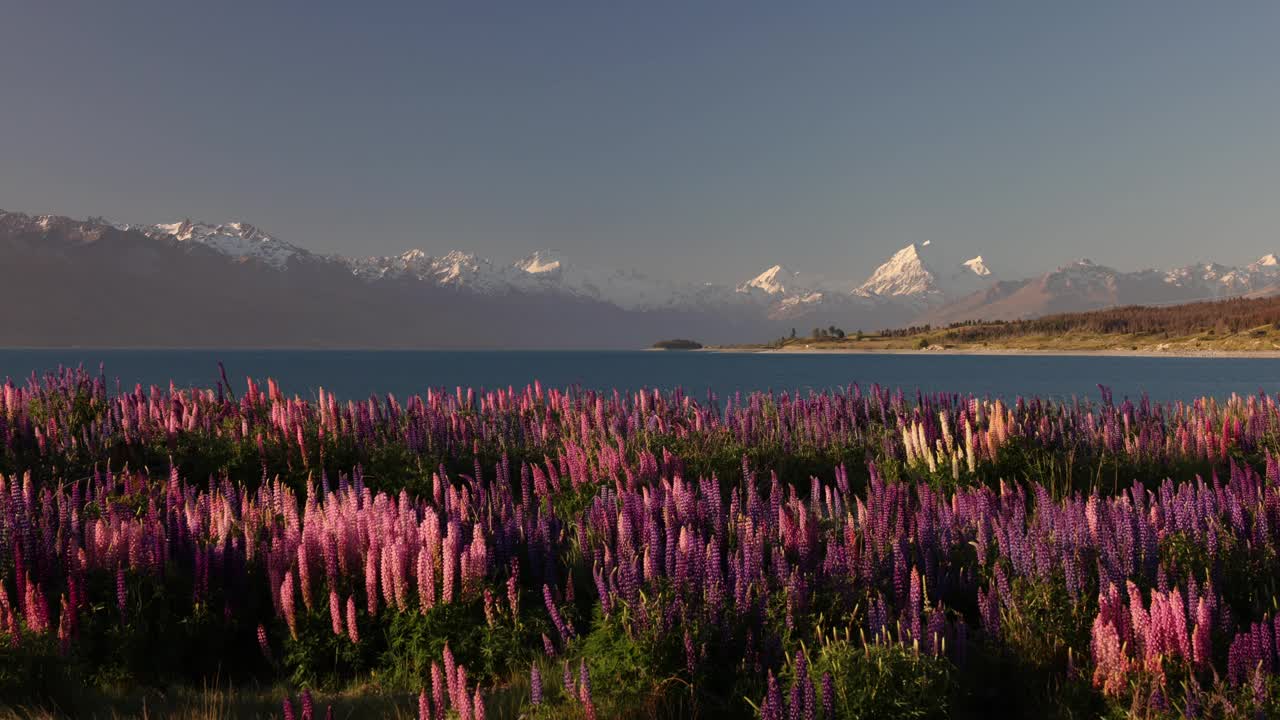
column 287, row 707
column 424, row 706
column 308, row 706
column 477, row 703
column 914, row 602
column 535, row 686
column 263, row 645
column 122, row 596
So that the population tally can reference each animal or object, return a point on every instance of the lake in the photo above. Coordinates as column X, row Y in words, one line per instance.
column 357, row 374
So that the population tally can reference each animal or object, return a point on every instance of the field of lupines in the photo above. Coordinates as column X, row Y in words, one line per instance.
column 548, row 553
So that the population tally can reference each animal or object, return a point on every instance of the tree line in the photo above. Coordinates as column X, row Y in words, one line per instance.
column 1219, row 317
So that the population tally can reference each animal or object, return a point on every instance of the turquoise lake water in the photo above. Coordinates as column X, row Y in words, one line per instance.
column 357, row 374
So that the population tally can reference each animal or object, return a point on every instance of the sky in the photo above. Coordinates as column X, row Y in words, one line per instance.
column 702, row 141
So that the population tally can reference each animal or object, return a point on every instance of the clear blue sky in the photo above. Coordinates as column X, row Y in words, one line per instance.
column 704, row 139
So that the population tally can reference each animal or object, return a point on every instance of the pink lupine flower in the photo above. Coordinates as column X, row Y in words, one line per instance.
column 263, row 645
column 308, row 705
column 371, row 582
column 513, row 590
column 1200, row 639
column 335, row 613
column 438, row 688
column 426, row 580
column 535, row 686
column 463, row 704
column 287, row 604
column 1111, row 665
column 304, row 575
column 353, row 629
column 451, row 676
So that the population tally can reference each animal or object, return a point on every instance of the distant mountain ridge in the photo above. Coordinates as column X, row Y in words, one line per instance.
column 234, row 284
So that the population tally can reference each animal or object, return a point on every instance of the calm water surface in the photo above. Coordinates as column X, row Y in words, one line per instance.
column 361, row 373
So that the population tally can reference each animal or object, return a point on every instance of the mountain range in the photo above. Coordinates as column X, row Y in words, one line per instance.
column 96, row 283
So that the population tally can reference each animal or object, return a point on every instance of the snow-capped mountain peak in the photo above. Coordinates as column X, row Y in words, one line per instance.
column 773, row 281
column 905, row 273
column 541, row 261
column 236, row 239
column 977, row 266
column 912, row 273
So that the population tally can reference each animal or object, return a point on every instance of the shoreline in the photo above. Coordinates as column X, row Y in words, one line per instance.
column 1223, row 354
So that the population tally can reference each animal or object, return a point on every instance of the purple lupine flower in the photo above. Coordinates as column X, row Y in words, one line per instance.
column 771, row 708
column 535, row 686
column 566, row 632
column 828, row 696
column 584, row 691
column 122, row 596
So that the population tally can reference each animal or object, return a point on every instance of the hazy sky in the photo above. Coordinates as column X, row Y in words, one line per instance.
column 705, row 140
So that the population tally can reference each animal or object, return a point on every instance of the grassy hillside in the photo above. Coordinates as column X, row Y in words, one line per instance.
column 1238, row 325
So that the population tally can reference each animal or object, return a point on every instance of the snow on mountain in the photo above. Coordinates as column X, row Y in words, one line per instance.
column 913, row 280
column 977, row 266
column 540, row 262
column 547, row 271
column 903, row 274
column 1206, row 281
column 777, row 281
column 236, row 239
column 912, row 274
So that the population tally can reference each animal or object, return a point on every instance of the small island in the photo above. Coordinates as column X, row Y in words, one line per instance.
column 677, row 344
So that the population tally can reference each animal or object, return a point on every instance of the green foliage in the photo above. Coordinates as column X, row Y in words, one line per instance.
column 882, row 680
